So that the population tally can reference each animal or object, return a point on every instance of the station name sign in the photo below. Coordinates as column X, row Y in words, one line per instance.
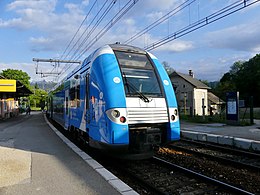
column 7, row 85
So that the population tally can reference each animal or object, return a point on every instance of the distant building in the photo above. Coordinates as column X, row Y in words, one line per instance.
column 215, row 103
column 192, row 95
column 10, row 91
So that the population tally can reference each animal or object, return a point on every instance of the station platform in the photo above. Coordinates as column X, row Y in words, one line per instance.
column 244, row 137
column 34, row 160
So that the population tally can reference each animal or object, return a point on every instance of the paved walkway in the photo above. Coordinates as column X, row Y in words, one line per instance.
column 248, row 132
column 34, row 160
column 246, row 137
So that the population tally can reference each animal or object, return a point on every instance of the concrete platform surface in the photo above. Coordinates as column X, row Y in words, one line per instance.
column 245, row 137
column 34, row 160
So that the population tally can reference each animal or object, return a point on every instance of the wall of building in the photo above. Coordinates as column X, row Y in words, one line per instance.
column 184, row 95
column 200, row 99
column 8, row 104
column 8, row 108
column 189, row 98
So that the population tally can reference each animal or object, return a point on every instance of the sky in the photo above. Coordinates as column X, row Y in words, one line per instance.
column 44, row 28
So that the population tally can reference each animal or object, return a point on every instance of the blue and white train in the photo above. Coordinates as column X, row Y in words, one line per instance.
column 120, row 100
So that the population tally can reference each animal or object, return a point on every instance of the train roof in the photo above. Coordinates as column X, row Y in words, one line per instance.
column 114, row 47
column 127, row 48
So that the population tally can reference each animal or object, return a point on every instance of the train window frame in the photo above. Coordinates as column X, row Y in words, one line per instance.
column 72, row 95
column 87, row 91
column 67, row 105
column 77, row 97
column 149, row 66
column 122, row 61
column 141, row 81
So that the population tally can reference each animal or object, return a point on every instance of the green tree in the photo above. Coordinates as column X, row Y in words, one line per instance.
column 248, row 80
column 236, row 67
column 38, row 97
column 36, row 86
column 23, row 77
column 243, row 77
column 205, row 82
column 167, row 67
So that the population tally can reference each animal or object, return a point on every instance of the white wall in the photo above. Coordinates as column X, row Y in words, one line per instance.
column 199, row 95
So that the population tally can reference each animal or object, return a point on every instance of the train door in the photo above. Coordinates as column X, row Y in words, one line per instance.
column 66, row 105
column 50, row 106
column 83, row 110
column 87, row 113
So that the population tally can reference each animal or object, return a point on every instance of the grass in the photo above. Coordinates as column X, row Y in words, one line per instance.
column 221, row 118
column 35, row 109
column 206, row 119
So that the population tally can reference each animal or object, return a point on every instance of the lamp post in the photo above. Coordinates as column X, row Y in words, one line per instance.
column 185, row 102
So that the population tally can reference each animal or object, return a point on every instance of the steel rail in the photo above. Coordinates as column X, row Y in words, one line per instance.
column 203, row 177
column 218, row 158
column 142, row 182
column 220, row 147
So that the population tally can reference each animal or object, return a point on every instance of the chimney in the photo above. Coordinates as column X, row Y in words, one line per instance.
column 191, row 73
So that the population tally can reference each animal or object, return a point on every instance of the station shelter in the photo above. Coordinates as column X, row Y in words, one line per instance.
column 10, row 91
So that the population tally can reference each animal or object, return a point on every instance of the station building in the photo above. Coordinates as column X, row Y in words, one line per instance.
column 193, row 96
column 10, row 92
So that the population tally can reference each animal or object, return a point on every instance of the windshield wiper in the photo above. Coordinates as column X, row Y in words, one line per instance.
column 129, row 86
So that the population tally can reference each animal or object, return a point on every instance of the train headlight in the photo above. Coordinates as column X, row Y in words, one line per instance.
column 115, row 113
column 173, row 114
column 176, row 112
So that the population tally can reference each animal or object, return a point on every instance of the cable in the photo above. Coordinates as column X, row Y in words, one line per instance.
column 93, row 28
column 226, row 11
column 109, row 25
column 160, row 20
column 113, row 21
column 85, row 31
column 78, row 30
column 89, row 34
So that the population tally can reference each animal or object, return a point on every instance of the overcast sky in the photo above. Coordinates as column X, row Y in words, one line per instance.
column 44, row 28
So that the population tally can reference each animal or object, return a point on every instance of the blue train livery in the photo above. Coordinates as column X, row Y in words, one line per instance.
column 120, row 100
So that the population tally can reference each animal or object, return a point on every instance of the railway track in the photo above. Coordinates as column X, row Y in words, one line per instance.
column 158, row 176
column 239, row 169
column 227, row 155
column 215, row 182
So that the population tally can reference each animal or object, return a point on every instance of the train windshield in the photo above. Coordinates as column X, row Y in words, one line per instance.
column 139, row 76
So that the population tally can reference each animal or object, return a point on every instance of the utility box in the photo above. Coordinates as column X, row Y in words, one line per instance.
column 232, row 108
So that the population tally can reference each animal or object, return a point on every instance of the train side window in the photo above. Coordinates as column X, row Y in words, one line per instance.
column 78, row 95
column 87, row 91
column 72, row 97
column 67, row 105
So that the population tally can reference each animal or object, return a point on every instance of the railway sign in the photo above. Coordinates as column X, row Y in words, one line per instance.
column 232, row 108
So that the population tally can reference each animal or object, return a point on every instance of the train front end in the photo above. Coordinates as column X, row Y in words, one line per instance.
column 141, row 108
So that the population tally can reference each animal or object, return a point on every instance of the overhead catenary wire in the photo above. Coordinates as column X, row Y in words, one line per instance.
column 91, row 30
column 230, row 9
column 99, row 20
column 109, row 25
column 160, row 20
column 224, row 12
column 84, row 20
column 74, row 36
column 66, row 67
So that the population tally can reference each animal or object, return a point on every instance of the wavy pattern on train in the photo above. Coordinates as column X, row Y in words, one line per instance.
column 120, row 100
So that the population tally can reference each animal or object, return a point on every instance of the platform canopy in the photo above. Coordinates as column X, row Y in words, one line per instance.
column 13, row 89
